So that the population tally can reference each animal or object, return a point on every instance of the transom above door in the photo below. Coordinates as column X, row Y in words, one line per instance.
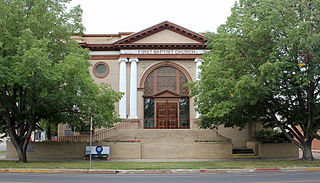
column 166, row 100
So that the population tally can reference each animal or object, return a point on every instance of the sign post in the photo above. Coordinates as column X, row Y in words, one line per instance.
column 90, row 141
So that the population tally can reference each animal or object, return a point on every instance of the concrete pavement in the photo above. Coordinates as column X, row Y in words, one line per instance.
column 159, row 171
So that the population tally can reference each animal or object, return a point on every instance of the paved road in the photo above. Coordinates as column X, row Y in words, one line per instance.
column 297, row 177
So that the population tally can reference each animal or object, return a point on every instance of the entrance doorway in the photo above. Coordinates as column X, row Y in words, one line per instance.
column 166, row 99
column 167, row 115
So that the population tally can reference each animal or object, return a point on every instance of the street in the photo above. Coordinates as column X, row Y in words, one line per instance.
column 296, row 177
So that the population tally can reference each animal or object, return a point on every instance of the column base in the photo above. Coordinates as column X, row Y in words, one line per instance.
column 133, row 117
column 123, row 116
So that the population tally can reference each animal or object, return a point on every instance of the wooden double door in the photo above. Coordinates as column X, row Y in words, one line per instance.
column 167, row 114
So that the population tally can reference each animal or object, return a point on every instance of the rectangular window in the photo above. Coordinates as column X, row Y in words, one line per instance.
column 184, row 113
column 149, row 113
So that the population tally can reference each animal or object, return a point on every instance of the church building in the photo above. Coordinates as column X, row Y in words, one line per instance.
column 151, row 68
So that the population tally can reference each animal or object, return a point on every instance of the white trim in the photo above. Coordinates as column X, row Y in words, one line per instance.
column 164, row 52
column 104, row 53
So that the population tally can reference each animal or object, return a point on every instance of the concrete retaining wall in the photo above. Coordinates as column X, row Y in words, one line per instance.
column 74, row 150
column 274, row 151
column 212, row 150
column 146, row 149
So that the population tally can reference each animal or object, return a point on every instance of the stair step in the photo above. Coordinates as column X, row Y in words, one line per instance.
column 242, row 151
column 245, row 156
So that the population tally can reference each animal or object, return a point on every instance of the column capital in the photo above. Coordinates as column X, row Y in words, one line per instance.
column 123, row 60
column 198, row 60
column 133, row 60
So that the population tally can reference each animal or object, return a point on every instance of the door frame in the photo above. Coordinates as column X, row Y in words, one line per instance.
column 166, row 100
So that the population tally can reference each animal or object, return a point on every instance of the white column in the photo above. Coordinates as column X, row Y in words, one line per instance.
column 133, row 89
column 123, row 87
column 198, row 62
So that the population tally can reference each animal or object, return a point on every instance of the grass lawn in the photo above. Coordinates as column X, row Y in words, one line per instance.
column 160, row 165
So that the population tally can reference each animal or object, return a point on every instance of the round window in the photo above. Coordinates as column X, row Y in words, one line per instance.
column 101, row 69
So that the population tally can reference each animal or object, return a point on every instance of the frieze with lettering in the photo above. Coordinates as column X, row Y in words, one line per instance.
column 163, row 52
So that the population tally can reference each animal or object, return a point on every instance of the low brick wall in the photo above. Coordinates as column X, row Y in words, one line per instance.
column 316, row 144
column 278, row 151
column 185, row 149
column 146, row 149
column 212, row 150
column 75, row 150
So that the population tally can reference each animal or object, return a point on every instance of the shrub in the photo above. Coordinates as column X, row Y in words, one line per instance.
column 271, row 136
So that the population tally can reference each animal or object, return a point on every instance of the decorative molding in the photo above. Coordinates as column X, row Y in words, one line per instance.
column 145, row 64
column 159, row 27
column 164, row 52
column 104, row 53
column 188, row 65
column 198, row 60
column 104, row 57
column 134, row 60
column 123, row 60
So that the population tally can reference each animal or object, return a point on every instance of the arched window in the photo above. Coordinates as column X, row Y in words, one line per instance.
column 166, row 99
column 166, row 78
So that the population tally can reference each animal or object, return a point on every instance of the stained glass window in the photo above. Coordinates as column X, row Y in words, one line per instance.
column 149, row 85
column 167, row 78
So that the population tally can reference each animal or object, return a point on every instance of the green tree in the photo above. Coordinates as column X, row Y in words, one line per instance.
column 264, row 67
column 44, row 73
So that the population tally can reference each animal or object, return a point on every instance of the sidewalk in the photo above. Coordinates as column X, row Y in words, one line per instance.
column 316, row 154
column 157, row 171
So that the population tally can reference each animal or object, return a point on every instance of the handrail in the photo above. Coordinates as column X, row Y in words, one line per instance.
column 102, row 134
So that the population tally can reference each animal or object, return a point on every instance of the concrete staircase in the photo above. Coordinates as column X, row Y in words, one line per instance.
column 178, row 143
column 162, row 143
column 192, row 134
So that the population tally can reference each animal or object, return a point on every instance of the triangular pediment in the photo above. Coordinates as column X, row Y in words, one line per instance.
column 167, row 94
column 165, row 32
column 166, row 36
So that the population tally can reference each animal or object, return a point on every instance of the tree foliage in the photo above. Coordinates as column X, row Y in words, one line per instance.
column 44, row 73
column 264, row 66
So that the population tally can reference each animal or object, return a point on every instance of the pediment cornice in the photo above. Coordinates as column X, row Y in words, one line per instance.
column 129, row 42
column 160, row 27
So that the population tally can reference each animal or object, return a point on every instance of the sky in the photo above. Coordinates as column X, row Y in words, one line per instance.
column 113, row 16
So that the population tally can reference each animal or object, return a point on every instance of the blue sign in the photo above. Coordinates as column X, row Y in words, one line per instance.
column 99, row 149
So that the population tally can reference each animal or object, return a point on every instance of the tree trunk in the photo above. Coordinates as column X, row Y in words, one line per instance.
column 21, row 148
column 48, row 133
column 22, row 155
column 307, row 152
column 20, row 143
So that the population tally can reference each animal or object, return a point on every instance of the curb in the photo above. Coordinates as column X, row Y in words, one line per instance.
column 158, row 171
